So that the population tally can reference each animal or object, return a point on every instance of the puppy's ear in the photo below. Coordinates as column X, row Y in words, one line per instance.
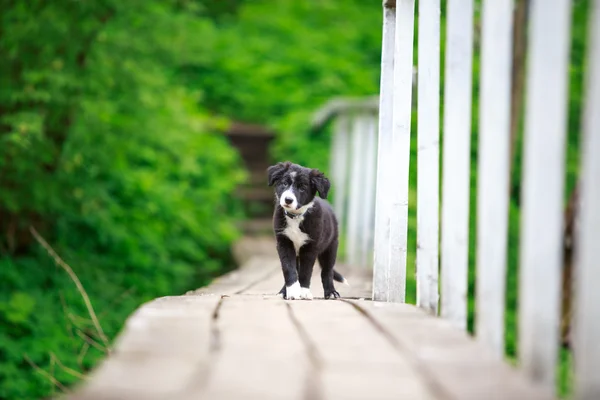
column 275, row 172
column 320, row 182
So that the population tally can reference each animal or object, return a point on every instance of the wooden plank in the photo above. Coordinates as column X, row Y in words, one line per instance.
column 455, row 365
column 370, row 154
column 356, row 182
column 400, row 160
column 542, row 188
column 587, row 320
column 360, row 365
column 256, row 269
column 155, row 347
column 494, row 172
column 456, row 161
column 260, row 355
column 428, row 156
column 251, row 344
column 381, row 253
column 156, row 342
column 340, row 151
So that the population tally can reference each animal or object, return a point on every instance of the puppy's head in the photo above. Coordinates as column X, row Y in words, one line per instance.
column 296, row 186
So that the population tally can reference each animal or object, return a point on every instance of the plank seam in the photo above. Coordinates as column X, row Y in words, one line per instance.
column 215, row 333
column 428, row 376
column 203, row 372
column 313, row 389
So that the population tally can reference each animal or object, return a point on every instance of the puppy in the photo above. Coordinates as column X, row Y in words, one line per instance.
column 306, row 229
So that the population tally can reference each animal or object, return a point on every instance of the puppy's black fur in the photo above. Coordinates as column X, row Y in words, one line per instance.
column 306, row 229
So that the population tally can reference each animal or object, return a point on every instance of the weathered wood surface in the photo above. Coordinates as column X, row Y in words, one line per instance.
column 493, row 180
column 587, row 319
column 456, row 161
column 428, row 157
column 542, row 187
column 237, row 340
column 339, row 166
column 399, row 162
column 381, row 249
column 357, row 180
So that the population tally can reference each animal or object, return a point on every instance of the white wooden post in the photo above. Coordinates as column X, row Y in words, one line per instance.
column 457, row 161
column 339, row 168
column 370, row 150
column 385, row 178
column 493, row 175
column 399, row 162
column 428, row 155
column 542, row 188
column 353, row 231
column 587, row 276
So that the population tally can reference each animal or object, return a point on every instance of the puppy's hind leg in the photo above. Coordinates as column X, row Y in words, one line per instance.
column 327, row 261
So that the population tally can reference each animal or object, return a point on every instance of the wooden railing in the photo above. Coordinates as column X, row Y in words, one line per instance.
column 379, row 225
column 353, row 166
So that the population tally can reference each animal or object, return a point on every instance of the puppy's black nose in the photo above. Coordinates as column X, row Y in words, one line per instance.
column 288, row 200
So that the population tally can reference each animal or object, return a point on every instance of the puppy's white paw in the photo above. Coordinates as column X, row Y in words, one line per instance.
column 293, row 292
column 305, row 293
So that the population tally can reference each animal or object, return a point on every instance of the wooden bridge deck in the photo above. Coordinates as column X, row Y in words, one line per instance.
column 237, row 340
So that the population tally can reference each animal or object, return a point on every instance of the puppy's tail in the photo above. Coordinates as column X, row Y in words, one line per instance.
column 338, row 277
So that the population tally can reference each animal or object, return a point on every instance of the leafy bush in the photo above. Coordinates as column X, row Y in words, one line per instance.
column 105, row 151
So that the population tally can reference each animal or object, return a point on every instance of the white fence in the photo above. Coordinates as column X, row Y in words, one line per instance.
column 353, row 158
column 541, row 247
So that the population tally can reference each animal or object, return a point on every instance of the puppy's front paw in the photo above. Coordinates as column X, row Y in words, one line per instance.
column 293, row 292
column 305, row 293
column 332, row 294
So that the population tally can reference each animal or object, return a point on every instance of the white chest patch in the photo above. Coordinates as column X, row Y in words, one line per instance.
column 293, row 232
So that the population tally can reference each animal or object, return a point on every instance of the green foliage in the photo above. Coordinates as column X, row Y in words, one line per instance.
column 103, row 149
column 279, row 60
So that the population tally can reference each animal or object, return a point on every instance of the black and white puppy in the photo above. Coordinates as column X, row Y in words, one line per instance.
column 306, row 229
